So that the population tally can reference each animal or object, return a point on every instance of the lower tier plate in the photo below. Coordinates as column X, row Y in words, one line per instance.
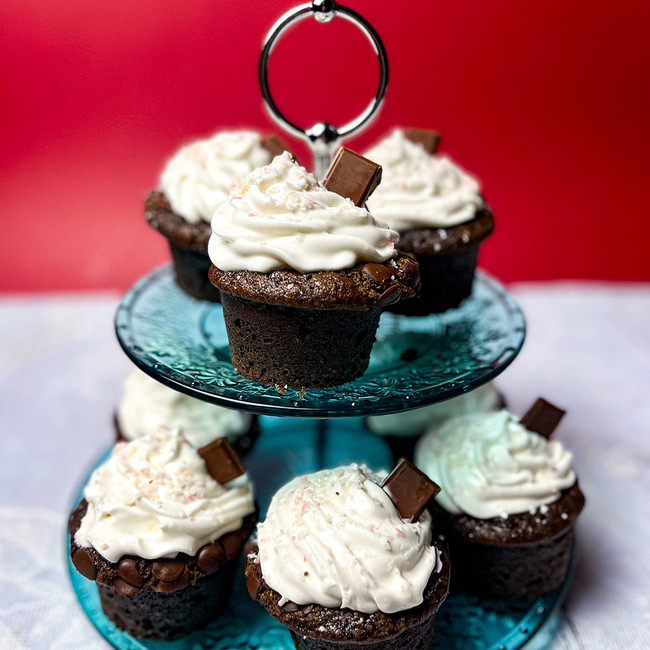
column 288, row 447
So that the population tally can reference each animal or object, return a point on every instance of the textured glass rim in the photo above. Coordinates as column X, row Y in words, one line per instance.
column 244, row 394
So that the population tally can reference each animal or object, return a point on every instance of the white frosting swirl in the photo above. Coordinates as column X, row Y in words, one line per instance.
column 199, row 177
column 335, row 538
column 412, row 423
column 419, row 190
column 491, row 466
column 154, row 498
column 147, row 405
column 279, row 216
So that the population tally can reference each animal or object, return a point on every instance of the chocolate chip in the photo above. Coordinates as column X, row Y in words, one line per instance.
column 174, row 585
column 428, row 138
column 123, row 588
column 290, row 606
column 222, row 460
column 352, row 176
column 128, row 571
column 210, row 557
column 542, row 418
column 390, row 296
column 409, row 489
column 252, row 583
column 232, row 545
column 167, row 570
column 84, row 563
column 377, row 272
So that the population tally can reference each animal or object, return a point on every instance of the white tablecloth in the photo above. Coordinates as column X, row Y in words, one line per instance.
column 587, row 349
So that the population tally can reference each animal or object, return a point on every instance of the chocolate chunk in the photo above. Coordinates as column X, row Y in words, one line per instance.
column 274, row 145
column 290, row 606
column 352, row 176
column 252, row 584
column 222, row 460
column 232, row 545
column 428, row 138
column 390, row 296
column 542, row 417
column 174, row 585
column 167, row 570
column 128, row 571
column 377, row 272
column 84, row 563
column 123, row 588
column 409, row 489
column 210, row 558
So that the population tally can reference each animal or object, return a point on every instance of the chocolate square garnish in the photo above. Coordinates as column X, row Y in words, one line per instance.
column 352, row 176
column 222, row 461
column 275, row 145
column 428, row 138
column 542, row 418
column 409, row 489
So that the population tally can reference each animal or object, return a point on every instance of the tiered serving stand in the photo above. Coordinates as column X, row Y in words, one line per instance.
column 415, row 361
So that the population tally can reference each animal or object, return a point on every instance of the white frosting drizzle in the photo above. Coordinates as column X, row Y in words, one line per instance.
column 412, row 423
column 199, row 177
column 335, row 538
column 279, row 216
column 147, row 405
column 419, row 190
column 489, row 465
column 154, row 498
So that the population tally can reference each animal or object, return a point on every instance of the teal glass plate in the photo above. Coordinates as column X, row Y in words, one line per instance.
column 290, row 446
column 415, row 361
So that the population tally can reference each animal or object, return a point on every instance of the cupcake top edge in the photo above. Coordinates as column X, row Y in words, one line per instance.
column 154, row 498
column 280, row 216
column 200, row 175
column 335, row 538
column 147, row 405
column 489, row 465
column 419, row 189
column 406, row 424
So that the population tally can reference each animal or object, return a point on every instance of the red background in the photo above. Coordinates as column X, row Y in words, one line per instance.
column 546, row 101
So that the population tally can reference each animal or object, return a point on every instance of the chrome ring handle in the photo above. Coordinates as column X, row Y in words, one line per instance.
column 323, row 136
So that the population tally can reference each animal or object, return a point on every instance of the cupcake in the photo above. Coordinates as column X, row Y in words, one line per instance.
column 195, row 181
column 304, row 273
column 160, row 535
column 510, row 499
column 339, row 565
column 147, row 405
column 402, row 430
column 438, row 211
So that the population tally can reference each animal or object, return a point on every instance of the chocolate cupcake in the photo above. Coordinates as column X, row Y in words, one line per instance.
column 304, row 274
column 402, row 430
column 509, row 499
column 160, row 535
column 439, row 213
column 195, row 181
column 343, row 568
column 147, row 405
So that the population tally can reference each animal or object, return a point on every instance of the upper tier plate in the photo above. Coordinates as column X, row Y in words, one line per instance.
column 415, row 361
